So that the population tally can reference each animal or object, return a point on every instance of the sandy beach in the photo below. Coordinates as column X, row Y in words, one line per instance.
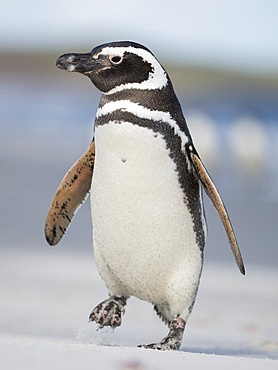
column 47, row 297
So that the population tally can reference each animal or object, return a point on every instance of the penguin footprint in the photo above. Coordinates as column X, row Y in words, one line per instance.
column 109, row 312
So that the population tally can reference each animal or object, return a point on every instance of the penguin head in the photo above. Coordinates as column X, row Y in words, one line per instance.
column 117, row 66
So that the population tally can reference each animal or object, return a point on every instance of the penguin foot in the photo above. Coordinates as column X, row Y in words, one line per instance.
column 109, row 312
column 173, row 340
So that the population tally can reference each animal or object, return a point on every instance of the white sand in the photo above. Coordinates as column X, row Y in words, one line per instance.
column 46, row 299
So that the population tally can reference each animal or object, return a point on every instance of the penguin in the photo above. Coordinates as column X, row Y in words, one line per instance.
column 145, row 180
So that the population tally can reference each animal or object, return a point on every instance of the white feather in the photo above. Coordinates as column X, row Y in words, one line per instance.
column 144, row 239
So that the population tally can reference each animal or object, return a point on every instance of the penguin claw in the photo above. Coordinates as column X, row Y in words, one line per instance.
column 109, row 312
column 162, row 346
column 173, row 340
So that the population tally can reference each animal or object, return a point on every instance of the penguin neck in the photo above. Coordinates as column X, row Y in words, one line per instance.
column 156, row 99
column 163, row 100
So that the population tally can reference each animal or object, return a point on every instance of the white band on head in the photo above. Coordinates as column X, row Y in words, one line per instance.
column 157, row 78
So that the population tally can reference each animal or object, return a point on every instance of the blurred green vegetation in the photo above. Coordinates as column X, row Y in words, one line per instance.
column 42, row 65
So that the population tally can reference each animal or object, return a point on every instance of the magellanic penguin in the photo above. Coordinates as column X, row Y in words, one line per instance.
column 144, row 175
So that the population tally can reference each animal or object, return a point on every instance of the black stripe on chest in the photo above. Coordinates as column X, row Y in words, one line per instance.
column 186, row 174
column 163, row 100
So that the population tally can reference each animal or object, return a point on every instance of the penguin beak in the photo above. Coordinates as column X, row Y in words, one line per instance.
column 82, row 63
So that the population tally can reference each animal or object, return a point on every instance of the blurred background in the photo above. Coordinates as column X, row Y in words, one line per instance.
column 222, row 57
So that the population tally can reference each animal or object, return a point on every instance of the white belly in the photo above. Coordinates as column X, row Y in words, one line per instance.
column 143, row 234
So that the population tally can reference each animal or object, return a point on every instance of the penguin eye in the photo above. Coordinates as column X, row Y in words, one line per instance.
column 115, row 59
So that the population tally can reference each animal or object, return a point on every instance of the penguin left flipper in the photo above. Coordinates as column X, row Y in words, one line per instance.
column 216, row 200
column 69, row 196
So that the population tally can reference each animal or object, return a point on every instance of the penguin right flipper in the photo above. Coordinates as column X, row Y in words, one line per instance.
column 216, row 200
column 71, row 193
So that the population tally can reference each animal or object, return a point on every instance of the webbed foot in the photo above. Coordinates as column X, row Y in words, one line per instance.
column 173, row 340
column 109, row 312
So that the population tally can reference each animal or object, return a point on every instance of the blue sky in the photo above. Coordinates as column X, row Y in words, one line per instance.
column 239, row 34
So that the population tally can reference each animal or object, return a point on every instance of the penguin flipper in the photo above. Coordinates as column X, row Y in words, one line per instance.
column 71, row 193
column 216, row 200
